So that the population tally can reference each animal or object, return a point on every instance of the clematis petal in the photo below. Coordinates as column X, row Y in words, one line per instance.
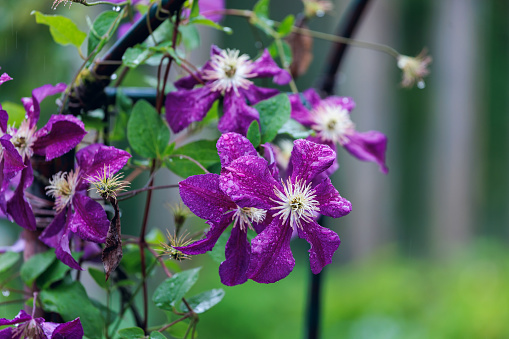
column 186, row 106
column 39, row 94
column 237, row 114
column 312, row 98
column 4, row 118
column 215, row 231
column 343, row 102
column 333, row 168
column 300, row 113
column 6, row 333
column 61, row 134
column 271, row 255
column 255, row 94
column 89, row 220
column 12, row 161
column 249, row 182
column 21, row 317
column 70, row 330
column 368, row 146
column 201, row 193
column 324, row 242
column 4, row 77
column 231, row 146
column 330, row 202
column 265, row 66
column 63, row 253
column 233, row 271
column 17, row 206
column 310, row 159
column 270, row 155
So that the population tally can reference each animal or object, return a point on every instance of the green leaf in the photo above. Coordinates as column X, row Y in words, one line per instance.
column 102, row 30
column 286, row 26
column 173, row 289
column 217, row 253
column 71, row 301
column 195, row 10
column 148, row 135
column 180, row 330
column 131, row 260
column 202, row 151
column 99, row 277
column 135, row 56
column 295, row 130
column 62, row 29
column 55, row 272
column 287, row 51
column 131, row 333
column 253, row 133
column 8, row 260
column 201, row 20
column 274, row 113
column 157, row 335
column 16, row 113
column 37, row 264
column 204, row 301
column 190, row 36
column 261, row 8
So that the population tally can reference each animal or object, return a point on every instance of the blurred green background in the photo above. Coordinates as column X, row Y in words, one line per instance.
column 424, row 251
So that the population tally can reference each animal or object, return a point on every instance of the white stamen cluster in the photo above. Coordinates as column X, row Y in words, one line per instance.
column 62, row 187
column 23, row 138
column 332, row 123
column 244, row 216
column 229, row 71
column 296, row 203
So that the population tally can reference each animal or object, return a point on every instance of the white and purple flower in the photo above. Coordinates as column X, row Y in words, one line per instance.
column 76, row 212
column 226, row 75
column 330, row 119
column 201, row 193
column 292, row 205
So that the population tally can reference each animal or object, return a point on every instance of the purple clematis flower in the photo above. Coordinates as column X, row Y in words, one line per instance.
column 226, row 75
column 293, row 204
column 201, row 193
column 76, row 212
column 330, row 118
column 61, row 134
column 37, row 328
column 4, row 77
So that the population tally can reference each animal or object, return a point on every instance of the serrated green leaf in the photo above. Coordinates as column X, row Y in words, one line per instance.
column 8, row 260
column 253, row 133
column 37, row 264
column 204, row 301
column 135, row 56
column 99, row 277
column 295, row 130
column 217, row 254
column 16, row 113
column 63, row 30
column 131, row 333
column 173, row 289
column 156, row 335
column 202, row 151
column 55, row 272
column 71, row 301
column 274, row 113
column 148, row 135
column 102, row 30
column 286, row 26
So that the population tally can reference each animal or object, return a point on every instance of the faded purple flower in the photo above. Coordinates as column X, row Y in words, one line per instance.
column 201, row 193
column 76, row 212
column 37, row 328
column 226, row 75
column 60, row 134
column 330, row 119
column 293, row 204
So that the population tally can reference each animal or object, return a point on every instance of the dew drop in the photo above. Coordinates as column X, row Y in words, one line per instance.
column 116, row 8
column 6, row 293
column 181, row 157
column 421, row 84
column 113, row 76
column 320, row 13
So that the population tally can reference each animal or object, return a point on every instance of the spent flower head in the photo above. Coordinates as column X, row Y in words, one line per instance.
column 106, row 184
column 414, row 69
column 316, row 7
column 176, row 241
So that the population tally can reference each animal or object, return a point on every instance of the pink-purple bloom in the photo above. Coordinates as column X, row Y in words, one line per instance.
column 26, row 326
column 292, row 204
column 60, row 134
column 76, row 212
column 226, row 75
column 330, row 119
column 201, row 193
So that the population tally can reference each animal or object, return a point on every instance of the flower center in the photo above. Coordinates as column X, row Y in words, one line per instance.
column 332, row 123
column 296, row 203
column 29, row 329
column 244, row 216
column 23, row 139
column 229, row 71
column 62, row 187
